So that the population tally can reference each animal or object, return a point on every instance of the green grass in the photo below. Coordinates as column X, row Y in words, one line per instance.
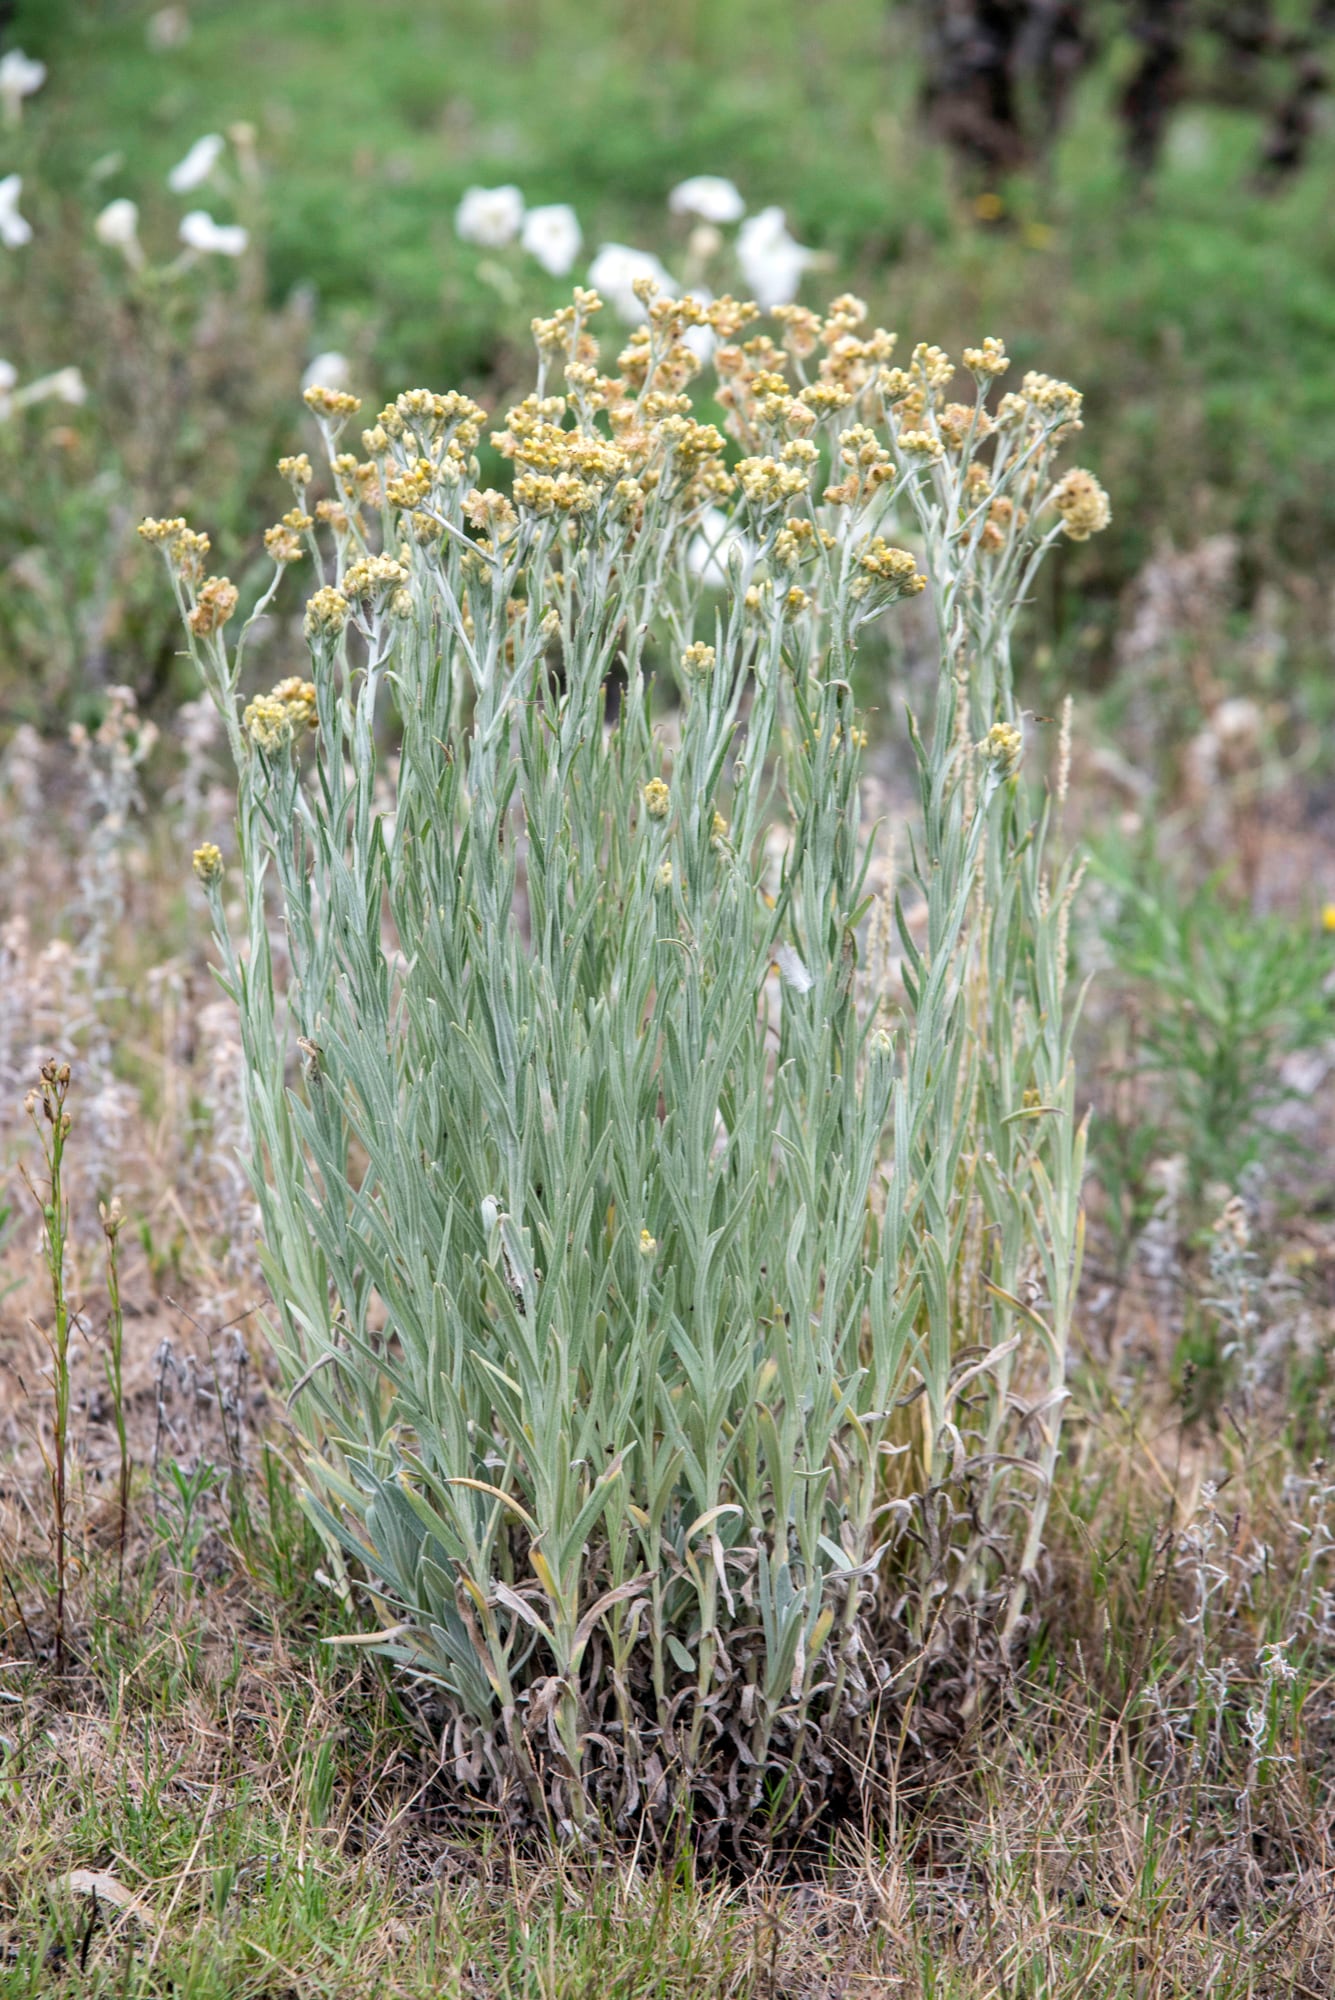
column 283, row 1816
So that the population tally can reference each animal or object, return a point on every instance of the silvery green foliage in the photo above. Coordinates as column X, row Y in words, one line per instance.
column 675, row 1314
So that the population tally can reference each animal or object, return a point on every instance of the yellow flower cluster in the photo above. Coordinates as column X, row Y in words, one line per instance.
column 207, row 863
column 1044, row 401
column 886, row 568
column 562, row 495
column 1003, row 746
column 184, row 549
column 331, row 402
column 797, row 542
column 989, row 360
column 921, row 445
column 657, row 799
column 326, row 613
column 372, row 575
column 297, row 471
column 629, row 446
column 272, row 721
column 770, row 482
column 268, row 723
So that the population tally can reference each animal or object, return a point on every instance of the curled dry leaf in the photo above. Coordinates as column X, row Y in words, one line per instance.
column 108, row 1889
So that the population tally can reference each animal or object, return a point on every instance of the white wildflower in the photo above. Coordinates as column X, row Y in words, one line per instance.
column 14, row 230
column 118, row 227
column 553, row 236
column 329, row 371
column 199, row 231
column 489, row 217
column 169, row 28
column 617, row 269
column 20, row 76
column 771, row 262
column 709, row 197
column 198, row 164
column 63, row 385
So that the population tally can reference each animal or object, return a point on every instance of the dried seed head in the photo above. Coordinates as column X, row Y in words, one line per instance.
column 1082, row 504
column 217, row 602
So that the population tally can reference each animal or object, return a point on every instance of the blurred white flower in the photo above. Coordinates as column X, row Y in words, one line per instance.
column 710, row 197
column 489, row 217
column 614, row 272
column 553, row 236
column 20, row 76
column 9, row 375
column 328, row 371
column 712, row 546
column 771, row 262
column 118, row 227
column 14, row 231
column 199, row 231
column 63, row 385
column 198, row 164
column 169, row 28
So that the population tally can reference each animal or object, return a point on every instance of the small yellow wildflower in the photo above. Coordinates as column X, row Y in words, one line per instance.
column 1328, row 917
column 268, row 723
column 326, row 614
column 1003, row 746
column 161, row 531
column 648, row 1243
column 896, row 569
column 296, row 471
column 207, row 863
column 697, row 662
column 989, row 359
column 767, row 483
column 920, row 444
column 657, row 799
column 664, row 876
column 330, row 402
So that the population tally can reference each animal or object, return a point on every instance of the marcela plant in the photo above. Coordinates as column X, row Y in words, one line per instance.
column 672, row 1247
